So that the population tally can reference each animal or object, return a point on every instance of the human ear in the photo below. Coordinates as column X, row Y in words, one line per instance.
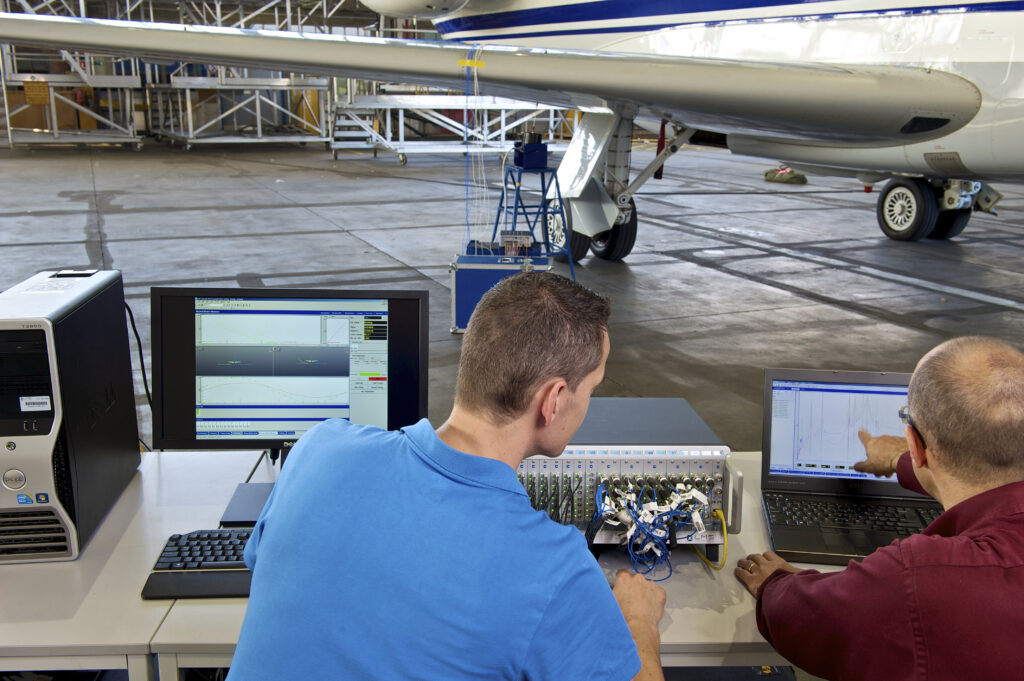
column 917, row 450
column 550, row 395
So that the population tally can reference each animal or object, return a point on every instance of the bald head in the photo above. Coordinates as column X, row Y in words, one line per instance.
column 967, row 398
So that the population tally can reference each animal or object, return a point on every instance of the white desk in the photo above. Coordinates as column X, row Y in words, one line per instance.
column 87, row 613
column 709, row 617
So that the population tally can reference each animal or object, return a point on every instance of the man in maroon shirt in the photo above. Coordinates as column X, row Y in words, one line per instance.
column 947, row 603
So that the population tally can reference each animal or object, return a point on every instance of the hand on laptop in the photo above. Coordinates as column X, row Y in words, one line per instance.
column 756, row 568
column 882, row 454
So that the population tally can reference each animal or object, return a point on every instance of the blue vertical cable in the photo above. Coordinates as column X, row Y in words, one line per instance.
column 465, row 136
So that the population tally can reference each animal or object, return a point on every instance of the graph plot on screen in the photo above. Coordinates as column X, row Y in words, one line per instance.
column 259, row 329
column 828, row 423
column 337, row 330
column 272, row 390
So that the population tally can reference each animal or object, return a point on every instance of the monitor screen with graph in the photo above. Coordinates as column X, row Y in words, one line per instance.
column 238, row 368
column 813, row 422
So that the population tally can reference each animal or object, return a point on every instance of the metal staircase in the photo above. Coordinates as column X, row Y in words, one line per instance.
column 355, row 128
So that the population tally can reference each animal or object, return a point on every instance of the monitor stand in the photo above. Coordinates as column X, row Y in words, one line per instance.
column 250, row 497
column 246, row 503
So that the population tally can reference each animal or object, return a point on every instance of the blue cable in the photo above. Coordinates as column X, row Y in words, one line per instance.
column 465, row 140
column 645, row 559
column 648, row 561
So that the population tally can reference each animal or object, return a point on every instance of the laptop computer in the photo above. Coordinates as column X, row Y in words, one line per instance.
column 818, row 508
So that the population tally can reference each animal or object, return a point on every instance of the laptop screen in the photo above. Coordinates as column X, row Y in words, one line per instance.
column 814, row 425
column 809, row 441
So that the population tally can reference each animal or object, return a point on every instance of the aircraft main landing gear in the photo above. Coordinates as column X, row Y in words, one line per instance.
column 578, row 243
column 598, row 182
column 617, row 242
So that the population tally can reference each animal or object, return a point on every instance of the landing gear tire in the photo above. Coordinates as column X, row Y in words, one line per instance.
column 950, row 223
column 617, row 242
column 579, row 244
column 907, row 209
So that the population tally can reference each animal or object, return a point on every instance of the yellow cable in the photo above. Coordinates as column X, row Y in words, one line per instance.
column 725, row 544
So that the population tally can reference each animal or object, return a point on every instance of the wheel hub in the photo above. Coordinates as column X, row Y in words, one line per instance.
column 900, row 208
column 556, row 230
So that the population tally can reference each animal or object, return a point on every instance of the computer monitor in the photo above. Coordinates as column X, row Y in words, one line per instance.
column 256, row 368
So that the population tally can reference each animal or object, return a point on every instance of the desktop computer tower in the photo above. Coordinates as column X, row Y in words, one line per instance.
column 68, row 431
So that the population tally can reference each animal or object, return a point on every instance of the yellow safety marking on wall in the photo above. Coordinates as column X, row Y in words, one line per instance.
column 472, row 63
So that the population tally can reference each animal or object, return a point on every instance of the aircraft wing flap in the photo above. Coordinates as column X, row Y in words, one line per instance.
column 808, row 103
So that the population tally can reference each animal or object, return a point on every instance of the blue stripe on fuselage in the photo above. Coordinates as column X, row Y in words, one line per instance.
column 606, row 10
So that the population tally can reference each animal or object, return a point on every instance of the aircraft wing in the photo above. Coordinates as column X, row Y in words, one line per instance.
column 809, row 103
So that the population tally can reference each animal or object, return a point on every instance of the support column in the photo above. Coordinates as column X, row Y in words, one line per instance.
column 3, row 92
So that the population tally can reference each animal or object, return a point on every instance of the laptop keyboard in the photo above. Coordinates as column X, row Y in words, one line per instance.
column 903, row 520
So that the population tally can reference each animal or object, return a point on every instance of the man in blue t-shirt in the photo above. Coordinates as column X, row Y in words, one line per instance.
column 415, row 554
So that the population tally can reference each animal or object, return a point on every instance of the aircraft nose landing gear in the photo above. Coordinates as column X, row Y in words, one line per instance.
column 912, row 208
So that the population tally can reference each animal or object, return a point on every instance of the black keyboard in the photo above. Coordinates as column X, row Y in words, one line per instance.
column 201, row 564
column 903, row 520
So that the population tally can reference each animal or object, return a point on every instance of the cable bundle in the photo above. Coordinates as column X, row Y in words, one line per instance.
column 647, row 515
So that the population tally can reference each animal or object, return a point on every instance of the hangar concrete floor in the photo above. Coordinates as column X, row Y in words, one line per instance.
column 729, row 274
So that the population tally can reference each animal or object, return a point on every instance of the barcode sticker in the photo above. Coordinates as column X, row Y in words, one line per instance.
column 40, row 403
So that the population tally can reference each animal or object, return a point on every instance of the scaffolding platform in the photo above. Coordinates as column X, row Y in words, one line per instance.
column 388, row 122
column 234, row 110
column 93, row 102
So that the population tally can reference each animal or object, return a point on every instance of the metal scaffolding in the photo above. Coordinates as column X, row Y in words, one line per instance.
column 8, row 137
column 236, row 109
column 62, row 96
column 67, row 97
column 87, row 98
column 201, row 104
column 433, row 124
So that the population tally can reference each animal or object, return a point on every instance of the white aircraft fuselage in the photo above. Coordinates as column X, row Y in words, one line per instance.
column 976, row 41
